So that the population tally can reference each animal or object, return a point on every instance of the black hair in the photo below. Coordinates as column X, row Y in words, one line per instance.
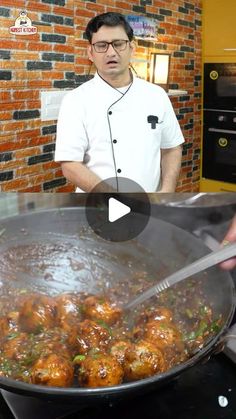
column 108, row 19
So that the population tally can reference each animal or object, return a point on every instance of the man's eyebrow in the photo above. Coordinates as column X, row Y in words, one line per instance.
column 117, row 39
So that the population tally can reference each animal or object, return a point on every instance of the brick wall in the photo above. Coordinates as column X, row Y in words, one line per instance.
column 55, row 58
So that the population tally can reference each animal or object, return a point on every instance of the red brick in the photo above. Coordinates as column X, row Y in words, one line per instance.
column 64, row 66
column 59, row 173
column 13, row 44
column 64, row 11
column 50, row 165
column 14, row 185
column 126, row 6
column 26, row 94
column 86, row 13
column 12, row 164
column 28, row 170
column 13, row 126
column 96, row 7
column 15, row 3
column 39, row 84
column 81, row 43
column 12, row 65
column 5, row 116
column 40, row 141
column 37, row 46
column 9, row 84
column 28, row 134
column 83, row 61
column 66, row 188
column 63, row 30
column 13, row 145
column 27, row 75
column 37, row 188
column 33, row 104
column 27, row 152
column 35, row 5
column 5, row 96
column 11, row 105
column 55, row 75
column 38, row 179
column 63, row 48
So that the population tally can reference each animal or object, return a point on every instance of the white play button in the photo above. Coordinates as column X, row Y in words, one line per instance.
column 116, row 210
column 118, row 216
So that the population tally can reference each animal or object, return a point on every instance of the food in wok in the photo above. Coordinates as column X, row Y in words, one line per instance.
column 85, row 340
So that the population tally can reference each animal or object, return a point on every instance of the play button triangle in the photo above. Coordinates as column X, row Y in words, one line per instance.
column 116, row 210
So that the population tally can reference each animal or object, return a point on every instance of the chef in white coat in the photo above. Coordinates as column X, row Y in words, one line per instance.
column 116, row 124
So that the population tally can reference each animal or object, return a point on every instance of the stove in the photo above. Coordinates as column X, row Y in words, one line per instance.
column 205, row 391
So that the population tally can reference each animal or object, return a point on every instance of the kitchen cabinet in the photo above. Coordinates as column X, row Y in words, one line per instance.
column 208, row 185
column 218, row 46
column 219, row 30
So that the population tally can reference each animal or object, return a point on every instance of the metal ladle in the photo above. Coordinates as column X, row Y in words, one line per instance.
column 199, row 265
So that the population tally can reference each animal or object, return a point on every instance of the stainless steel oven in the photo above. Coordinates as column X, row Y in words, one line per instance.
column 220, row 86
column 219, row 122
column 219, row 145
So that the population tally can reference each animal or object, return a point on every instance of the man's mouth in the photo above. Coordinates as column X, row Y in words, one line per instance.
column 112, row 62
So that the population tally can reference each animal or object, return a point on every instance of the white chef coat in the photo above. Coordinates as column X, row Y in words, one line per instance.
column 95, row 114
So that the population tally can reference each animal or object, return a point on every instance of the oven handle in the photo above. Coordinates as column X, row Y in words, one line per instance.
column 224, row 131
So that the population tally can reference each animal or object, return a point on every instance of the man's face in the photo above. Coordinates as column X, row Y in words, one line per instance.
column 111, row 62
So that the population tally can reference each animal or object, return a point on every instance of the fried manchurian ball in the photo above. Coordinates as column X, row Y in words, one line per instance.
column 161, row 314
column 100, row 371
column 88, row 335
column 37, row 313
column 52, row 370
column 97, row 308
column 16, row 347
column 143, row 360
column 68, row 310
column 162, row 334
column 9, row 323
column 119, row 348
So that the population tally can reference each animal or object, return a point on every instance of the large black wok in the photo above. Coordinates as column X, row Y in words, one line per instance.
column 54, row 251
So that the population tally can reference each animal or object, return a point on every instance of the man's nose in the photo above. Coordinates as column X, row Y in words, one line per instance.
column 111, row 49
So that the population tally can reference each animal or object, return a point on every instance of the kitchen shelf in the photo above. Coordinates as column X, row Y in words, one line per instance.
column 176, row 92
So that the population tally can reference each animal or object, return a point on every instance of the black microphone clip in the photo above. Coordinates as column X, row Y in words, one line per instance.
column 153, row 120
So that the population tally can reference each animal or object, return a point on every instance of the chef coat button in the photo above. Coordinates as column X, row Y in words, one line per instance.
column 110, row 113
column 114, row 141
column 118, row 170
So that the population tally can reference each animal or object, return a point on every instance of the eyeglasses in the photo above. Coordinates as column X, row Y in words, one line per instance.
column 118, row 45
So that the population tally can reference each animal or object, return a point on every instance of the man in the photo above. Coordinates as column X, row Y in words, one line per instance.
column 117, row 125
column 230, row 238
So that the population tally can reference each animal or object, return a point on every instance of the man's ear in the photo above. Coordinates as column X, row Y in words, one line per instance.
column 133, row 47
column 89, row 52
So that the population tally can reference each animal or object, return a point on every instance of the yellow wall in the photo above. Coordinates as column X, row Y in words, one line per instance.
column 219, row 30
column 208, row 185
column 219, row 34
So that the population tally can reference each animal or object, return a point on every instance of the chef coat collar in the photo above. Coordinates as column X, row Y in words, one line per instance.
column 99, row 79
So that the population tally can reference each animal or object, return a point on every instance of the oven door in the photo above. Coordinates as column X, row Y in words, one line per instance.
column 219, row 154
column 220, row 86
